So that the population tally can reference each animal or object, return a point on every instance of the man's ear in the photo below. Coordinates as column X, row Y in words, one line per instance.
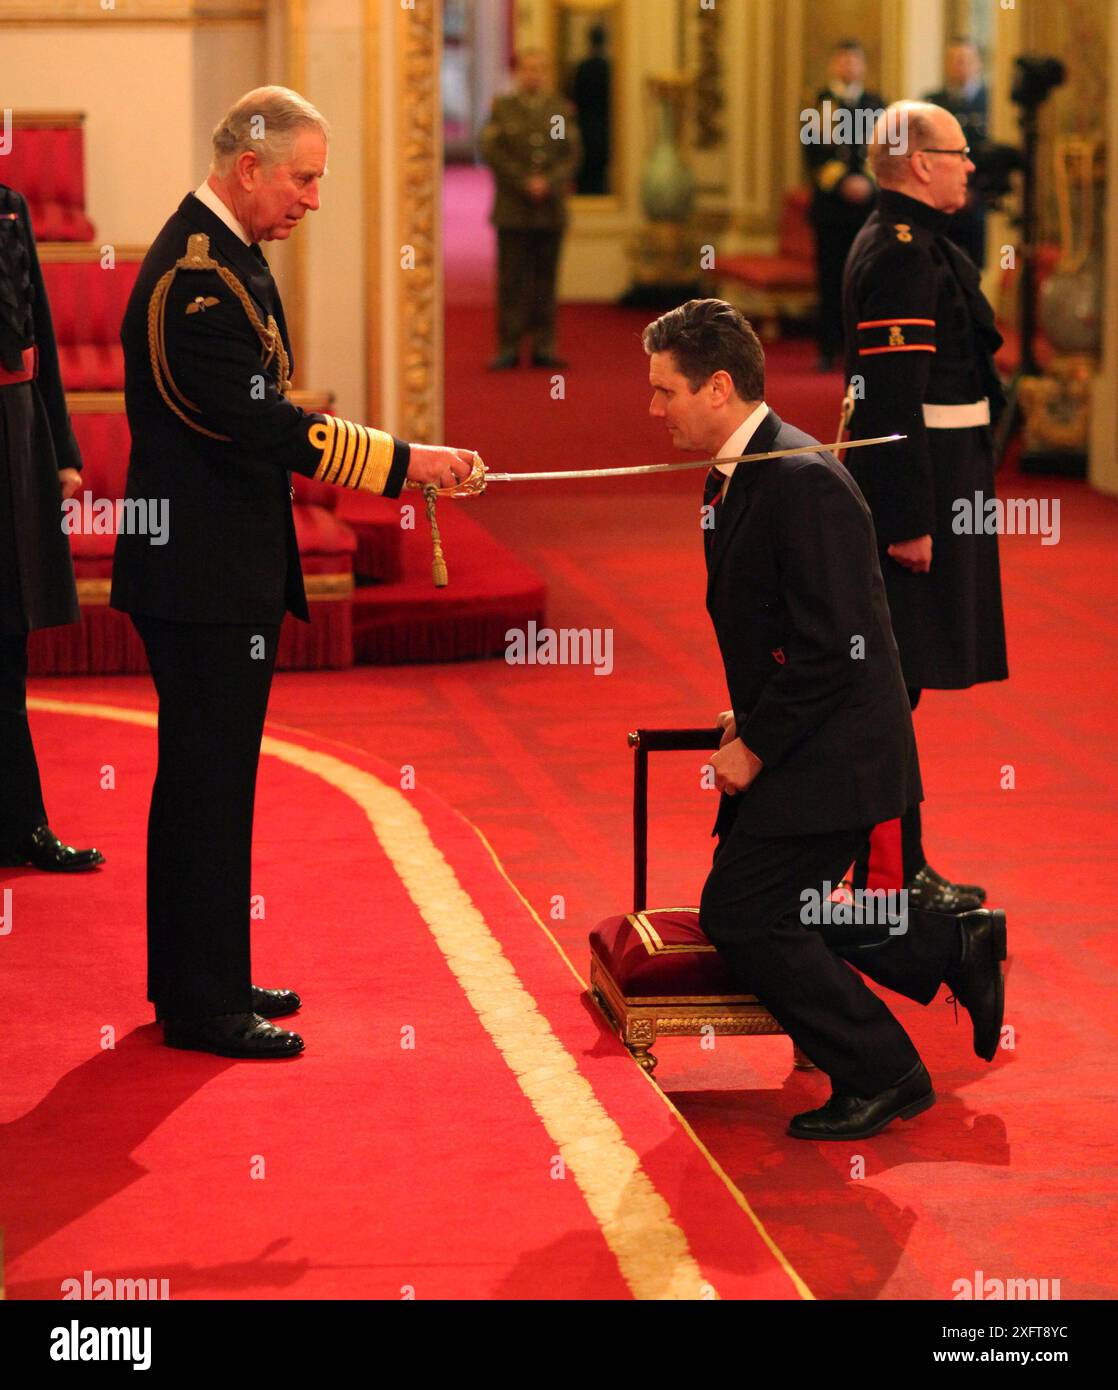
column 722, row 384
column 248, row 162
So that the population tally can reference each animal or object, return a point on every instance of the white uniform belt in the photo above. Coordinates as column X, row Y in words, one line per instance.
column 957, row 417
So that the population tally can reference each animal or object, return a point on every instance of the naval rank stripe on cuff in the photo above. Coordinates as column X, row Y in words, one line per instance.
column 896, row 335
column 352, row 455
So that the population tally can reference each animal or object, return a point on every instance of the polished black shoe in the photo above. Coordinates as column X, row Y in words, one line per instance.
column 929, row 892
column 852, row 1117
column 548, row 359
column 977, row 982
column 268, row 1003
column 504, row 361
column 972, row 890
column 232, row 1035
column 44, row 850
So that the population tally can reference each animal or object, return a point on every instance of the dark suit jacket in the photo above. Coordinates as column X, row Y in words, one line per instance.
column 793, row 584
column 231, row 556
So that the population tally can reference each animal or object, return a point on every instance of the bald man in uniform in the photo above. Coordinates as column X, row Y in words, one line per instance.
column 920, row 350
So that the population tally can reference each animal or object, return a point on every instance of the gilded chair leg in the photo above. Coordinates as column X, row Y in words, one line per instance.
column 801, row 1061
column 645, row 1058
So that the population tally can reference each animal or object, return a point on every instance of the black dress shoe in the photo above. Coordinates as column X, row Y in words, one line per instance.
column 268, row 1003
column 232, row 1035
column 977, row 982
column 852, row 1117
column 44, row 850
column 504, row 361
column 973, row 890
column 548, row 359
column 931, row 893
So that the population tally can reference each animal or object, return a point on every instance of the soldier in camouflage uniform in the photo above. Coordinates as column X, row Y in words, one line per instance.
column 532, row 143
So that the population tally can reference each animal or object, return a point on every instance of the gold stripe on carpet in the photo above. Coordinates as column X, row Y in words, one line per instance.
column 651, row 1250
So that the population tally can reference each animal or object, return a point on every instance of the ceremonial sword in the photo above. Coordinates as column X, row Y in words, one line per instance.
column 479, row 478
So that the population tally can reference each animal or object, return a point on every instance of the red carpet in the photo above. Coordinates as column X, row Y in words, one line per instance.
column 419, row 1144
column 1011, row 1173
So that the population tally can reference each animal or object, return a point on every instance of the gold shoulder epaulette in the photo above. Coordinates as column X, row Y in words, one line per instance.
column 271, row 340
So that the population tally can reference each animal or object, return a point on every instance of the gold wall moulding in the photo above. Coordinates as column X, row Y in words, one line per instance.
column 418, row 193
column 130, row 11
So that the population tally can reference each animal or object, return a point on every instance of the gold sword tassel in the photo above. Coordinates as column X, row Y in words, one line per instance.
column 438, row 560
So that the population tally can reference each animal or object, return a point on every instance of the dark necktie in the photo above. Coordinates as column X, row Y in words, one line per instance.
column 712, row 496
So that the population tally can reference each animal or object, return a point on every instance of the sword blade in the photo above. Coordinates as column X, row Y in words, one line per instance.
column 834, row 448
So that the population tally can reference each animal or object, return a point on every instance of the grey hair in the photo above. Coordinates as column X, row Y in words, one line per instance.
column 266, row 121
column 901, row 129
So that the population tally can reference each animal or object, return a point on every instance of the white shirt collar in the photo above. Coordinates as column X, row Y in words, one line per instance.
column 738, row 442
column 205, row 194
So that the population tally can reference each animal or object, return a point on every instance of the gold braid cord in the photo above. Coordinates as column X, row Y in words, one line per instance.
column 271, row 341
column 472, row 485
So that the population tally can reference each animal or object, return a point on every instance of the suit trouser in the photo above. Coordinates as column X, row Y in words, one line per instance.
column 527, row 267
column 213, row 682
column 21, row 793
column 751, row 910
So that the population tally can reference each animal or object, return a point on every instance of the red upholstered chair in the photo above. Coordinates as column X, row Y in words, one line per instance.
column 46, row 163
column 652, row 971
column 87, row 302
column 105, row 643
column 768, row 287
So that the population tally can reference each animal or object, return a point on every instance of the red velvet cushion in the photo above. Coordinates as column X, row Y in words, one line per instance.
column 46, row 163
column 319, row 532
column 53, row 221
column 769, row 272
column 659, row 952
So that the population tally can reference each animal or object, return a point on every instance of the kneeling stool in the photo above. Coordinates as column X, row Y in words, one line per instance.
column 652, row 971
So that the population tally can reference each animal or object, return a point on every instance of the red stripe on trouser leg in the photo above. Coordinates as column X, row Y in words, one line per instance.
column 886, row 863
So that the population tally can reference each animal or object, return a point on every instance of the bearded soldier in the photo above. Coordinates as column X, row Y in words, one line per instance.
column 919, row 358
column 207, row 370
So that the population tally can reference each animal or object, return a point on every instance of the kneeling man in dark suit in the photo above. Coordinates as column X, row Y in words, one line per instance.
column 818, row 746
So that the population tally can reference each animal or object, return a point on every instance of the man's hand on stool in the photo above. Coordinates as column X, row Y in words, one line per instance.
column 735, row 767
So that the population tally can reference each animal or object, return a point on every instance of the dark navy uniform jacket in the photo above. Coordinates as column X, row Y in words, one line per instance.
column 36, row 441
column 920, row 331
column 214, row 433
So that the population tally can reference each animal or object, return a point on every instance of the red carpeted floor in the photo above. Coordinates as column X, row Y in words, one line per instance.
column 458, row 1128
column 1013, row 1171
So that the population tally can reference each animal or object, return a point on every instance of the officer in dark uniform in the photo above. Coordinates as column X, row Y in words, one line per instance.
column 967, row 98
column 532, row 143
column 207, row 369
column 919, row 359
column 591, row 94
column 40, row 467
column 843, row 193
